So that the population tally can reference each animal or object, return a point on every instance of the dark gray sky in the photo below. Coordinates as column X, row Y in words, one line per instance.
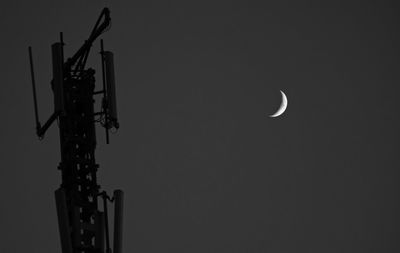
column 202, row 166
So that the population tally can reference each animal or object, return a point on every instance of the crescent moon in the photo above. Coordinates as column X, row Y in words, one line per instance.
column 282, row 107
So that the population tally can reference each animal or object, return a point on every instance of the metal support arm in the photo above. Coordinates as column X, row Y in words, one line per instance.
column 83, row 52
column 42, row 130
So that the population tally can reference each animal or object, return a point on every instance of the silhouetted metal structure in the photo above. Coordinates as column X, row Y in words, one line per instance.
column 83, row 226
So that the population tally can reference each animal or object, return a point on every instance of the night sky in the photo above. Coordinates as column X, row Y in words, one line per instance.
column 203, row 167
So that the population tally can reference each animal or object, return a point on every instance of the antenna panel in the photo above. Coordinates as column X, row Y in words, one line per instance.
column 57, row 59
column 110, row 82
column 118, row 220
column 100, row 224
column 63, row 221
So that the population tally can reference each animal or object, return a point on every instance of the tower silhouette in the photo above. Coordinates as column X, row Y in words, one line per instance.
column 83, row 226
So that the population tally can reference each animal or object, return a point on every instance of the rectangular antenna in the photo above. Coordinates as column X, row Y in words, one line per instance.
column 99, row 221
column 63, row 221
column 58, row 79
column 110, row 82
column 118, row 220
column 34, row 89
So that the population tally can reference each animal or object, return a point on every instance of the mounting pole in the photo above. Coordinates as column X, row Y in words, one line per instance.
column 34, row 90
column 105, row 94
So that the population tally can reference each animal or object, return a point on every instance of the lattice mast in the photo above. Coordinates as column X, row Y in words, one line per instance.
column 83, row 225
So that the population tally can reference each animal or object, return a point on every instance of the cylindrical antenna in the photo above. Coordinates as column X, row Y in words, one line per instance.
column 34, row 90
column 118, row 220
column 108, row 249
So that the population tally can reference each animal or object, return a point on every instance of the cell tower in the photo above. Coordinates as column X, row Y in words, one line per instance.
column 83, row 226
